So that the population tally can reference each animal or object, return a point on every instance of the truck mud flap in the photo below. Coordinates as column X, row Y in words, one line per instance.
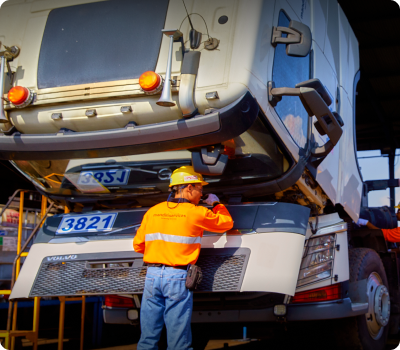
column 86, row 274
column 221, row 125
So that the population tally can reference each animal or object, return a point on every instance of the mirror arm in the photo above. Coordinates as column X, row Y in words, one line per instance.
column 314, row 105
column 323, row 150
column 285, row 91
column 298, row 40
column 292, row 38
column 326, row 120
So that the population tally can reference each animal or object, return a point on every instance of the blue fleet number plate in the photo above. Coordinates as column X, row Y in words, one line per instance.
column 86, row 223
column 112, row 177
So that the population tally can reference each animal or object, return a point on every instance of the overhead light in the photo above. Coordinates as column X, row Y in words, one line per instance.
column 20, row 96
column 150, row 82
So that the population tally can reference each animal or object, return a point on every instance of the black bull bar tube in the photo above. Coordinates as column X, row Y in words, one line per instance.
column 201, row 130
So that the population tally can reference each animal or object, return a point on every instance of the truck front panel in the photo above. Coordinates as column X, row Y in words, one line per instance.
column 261, row 253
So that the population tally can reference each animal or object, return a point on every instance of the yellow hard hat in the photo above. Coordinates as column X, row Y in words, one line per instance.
column 186, row 175
column 397, row 206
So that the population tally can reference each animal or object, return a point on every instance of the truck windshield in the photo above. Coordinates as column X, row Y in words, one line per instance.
column 254, row 157
column 101, row 41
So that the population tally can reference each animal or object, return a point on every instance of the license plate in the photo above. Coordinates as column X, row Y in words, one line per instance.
column 86, row 223
column 110, row 177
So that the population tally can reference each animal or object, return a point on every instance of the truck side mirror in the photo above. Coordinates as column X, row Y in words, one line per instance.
column 315, row 100
column 298, row 40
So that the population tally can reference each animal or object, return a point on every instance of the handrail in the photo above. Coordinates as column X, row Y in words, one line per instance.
column 10, row 200
column 28, row 241
column 18, row 257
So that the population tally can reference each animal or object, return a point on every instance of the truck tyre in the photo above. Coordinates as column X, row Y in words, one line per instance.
column 365, row 332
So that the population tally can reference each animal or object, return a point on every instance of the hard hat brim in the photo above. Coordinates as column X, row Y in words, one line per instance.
column 203, row 183
column 397, row 207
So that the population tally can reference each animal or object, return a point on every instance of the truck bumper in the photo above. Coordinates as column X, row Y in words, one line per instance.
column 295, row 312
column 221, row 125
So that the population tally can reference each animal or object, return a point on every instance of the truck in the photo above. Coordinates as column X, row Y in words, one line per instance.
column 103, row 100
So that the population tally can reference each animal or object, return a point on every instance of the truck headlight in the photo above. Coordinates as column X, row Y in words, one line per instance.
column 317, row 263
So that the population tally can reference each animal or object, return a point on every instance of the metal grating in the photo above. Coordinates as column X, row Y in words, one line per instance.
column 73, row 278
column 220, row 273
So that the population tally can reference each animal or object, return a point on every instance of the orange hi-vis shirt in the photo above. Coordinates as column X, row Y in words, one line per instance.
column 171, row 233
column 391, row 234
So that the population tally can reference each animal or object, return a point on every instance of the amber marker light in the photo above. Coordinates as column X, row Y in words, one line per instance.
column 150, row 82
column 20, row 96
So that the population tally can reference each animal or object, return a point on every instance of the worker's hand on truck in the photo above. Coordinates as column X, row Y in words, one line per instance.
column 362, row 222
column 211, row 199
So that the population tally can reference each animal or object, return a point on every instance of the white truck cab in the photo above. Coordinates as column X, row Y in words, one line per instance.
column 258, row 96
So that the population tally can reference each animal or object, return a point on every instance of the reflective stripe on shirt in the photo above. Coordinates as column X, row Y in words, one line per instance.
column 172, row 238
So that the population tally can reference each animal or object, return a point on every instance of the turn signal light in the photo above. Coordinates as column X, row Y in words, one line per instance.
column 20, row 96
column 150, row 82
column 229, row 148
column 332, row 292
column 117, row 301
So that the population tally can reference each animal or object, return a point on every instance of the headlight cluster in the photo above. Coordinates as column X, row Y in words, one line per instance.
column 317, row 263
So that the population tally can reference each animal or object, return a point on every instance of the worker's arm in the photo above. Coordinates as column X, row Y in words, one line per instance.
column 139, row 240
column 390, row 235
column 372, row 227
column 363, row 222
column 217, row 220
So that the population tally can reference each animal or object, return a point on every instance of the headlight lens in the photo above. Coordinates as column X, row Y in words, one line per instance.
column 317, row 263
column 320, row 257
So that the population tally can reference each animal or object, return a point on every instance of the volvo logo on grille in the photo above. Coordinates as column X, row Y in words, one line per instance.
column 61, row 257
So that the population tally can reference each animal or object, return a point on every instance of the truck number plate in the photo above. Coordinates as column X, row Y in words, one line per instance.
column 86, row 223
column 110, row 177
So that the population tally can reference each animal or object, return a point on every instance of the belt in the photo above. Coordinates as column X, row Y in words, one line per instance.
column 181, row 267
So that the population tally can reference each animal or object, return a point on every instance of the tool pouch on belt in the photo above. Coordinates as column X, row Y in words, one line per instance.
column 194, row 277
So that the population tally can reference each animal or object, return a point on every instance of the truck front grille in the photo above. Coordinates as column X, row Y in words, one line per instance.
column 223, row 270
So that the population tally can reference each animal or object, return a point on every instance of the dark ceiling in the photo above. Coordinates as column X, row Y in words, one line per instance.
column 11, row 179
column 376, row 25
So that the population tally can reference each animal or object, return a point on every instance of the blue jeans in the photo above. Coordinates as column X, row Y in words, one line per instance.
column 166, row 300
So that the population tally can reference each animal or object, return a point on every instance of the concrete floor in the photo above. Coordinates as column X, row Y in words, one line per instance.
column 239, row 345
column 212, row 345
column 51, row 344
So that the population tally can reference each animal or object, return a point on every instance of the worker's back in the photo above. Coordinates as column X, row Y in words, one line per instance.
column 171, row 232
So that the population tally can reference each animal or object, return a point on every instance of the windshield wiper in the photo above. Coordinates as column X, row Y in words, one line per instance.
column 118, row 230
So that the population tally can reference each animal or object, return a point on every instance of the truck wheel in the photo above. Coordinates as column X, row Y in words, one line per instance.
column 369, row 331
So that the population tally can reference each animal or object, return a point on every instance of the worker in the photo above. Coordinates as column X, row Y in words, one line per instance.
column 390, row 234
column 170, row 239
